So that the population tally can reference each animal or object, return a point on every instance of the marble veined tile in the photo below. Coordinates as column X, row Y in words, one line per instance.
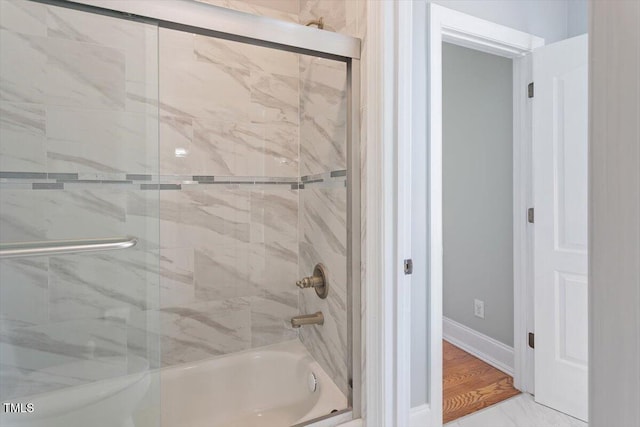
column 22, row 137
column 84, row 75
column 55, row 355
column 277, row 212
column 526, row 412
column 195, row 219
column 95, row 285
column 205, row 90
column 323, row 236
column 24, row 292
column 24, row 215
column 176, row 277
column 322, row 115
column 323, row 221
column 281, row 266
column 227, row 148
column 84, row 213
column 245, row 56
column 520, row 411
column 222, row 273
column 270, row 318
column 216, row 215
column 136, row 40
column 274, row 98
column 16, row 382
column 142, row 97
column 171, row 230
column 281, row 157
column 176, row 152
column 23, row 67
column 204, row 329
column 142, row 218
column 249, row 7
column 80, row 140
column 22, row 16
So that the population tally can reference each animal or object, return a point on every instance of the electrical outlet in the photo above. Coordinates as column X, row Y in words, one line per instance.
column 478, row 308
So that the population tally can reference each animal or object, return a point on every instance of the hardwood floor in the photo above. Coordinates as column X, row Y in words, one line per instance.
column 469, row 384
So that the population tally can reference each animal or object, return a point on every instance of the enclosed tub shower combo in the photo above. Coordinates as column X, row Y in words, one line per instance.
column 179, row 217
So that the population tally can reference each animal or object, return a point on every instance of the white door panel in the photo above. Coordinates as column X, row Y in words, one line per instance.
column 560, row 156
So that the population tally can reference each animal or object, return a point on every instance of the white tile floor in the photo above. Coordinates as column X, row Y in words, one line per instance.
column 519, row 411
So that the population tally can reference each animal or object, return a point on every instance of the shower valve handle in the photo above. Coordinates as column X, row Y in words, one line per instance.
column 310, row 282
column 318, row 281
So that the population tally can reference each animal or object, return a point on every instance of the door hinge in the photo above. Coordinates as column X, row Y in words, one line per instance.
column 531, row 215
column 532, row 340
column 530, row 90
column 408, row 266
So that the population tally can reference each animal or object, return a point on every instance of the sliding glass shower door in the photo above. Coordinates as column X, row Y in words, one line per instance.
column 79, row 223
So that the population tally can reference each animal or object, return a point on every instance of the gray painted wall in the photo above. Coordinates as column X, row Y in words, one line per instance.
column 578, row 17
column 614, row 214
column 554, row 20
column 478, row 186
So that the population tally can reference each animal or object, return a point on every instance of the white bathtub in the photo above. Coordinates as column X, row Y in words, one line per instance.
column 105, row 403
column 265, row 387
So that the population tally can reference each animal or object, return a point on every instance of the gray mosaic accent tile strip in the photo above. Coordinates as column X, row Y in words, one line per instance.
column 63, row 176
column 94, row 181
column 204, row 178
column 160, row 186
column 23, row 175
column 139, row 177
column 51, row 180
column 324, row 184
column 332, row 179
column 312, row 178
column 47, row 186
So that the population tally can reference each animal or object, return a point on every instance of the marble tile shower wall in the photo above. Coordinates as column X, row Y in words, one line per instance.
column 323, row 212
column 229, row 253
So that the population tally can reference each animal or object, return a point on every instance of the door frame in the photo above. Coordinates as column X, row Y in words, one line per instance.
column 447, row 25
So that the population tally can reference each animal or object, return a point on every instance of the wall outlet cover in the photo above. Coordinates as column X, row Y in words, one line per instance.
column 478, row 308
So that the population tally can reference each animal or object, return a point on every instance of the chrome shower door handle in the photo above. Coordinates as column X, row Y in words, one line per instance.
column 62, row 247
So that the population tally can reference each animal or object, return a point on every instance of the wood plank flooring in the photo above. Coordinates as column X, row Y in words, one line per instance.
column 469, row 384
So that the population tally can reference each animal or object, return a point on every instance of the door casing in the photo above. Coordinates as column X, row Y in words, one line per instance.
column 446, row 25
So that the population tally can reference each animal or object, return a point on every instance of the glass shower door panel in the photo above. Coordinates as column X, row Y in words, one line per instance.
column 323, row 212
column 78, row 160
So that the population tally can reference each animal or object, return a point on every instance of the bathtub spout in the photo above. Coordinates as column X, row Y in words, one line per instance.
column 307, row 319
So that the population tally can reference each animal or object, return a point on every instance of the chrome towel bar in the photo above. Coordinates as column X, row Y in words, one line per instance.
column 61, row 247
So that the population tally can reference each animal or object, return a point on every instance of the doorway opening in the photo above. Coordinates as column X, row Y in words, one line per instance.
column 548, row 238
column 478, row 230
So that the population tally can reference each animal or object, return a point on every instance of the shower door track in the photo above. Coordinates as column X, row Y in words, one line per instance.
column 215, row 21
column 219, row 22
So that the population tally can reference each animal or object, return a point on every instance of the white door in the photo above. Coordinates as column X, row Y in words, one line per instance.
column 560, row 200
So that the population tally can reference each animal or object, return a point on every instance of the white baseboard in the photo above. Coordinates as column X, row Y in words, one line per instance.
column 420, row 416
column 485, row 348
